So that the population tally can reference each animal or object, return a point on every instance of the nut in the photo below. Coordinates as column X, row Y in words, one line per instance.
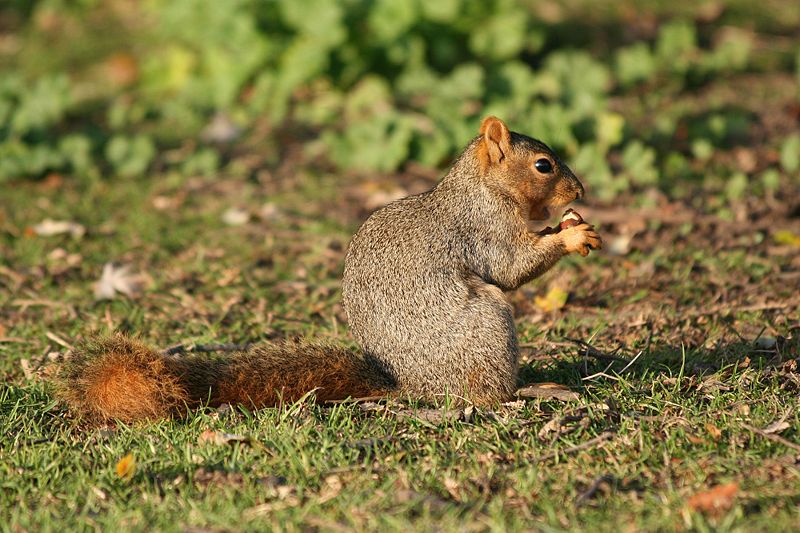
column 570, row 218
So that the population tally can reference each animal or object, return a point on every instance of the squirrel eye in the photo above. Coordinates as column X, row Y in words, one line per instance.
column 543, row 166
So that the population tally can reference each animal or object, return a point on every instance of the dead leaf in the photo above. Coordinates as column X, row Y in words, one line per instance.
column 235, row 217
column 779, row 425
column 431, row 416
column 26, row 368
column 49, row 227
column 122, row 69
column 117, row 280
column 126, row 467
column 786, row 237
column 548, row 391
column 552, row 425
column 716, row 500
column 205, row 477
column 330, row 489
column 219, row 438
column 554, row 300
column 99, row 493
column 221, row 129
column 269, row 212
column 452, row 488
column 620, row 245
column 714, row 431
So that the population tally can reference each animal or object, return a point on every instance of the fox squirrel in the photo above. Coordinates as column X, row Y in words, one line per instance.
column 423, row 291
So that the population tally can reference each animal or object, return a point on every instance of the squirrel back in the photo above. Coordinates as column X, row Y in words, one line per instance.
column 423, row 288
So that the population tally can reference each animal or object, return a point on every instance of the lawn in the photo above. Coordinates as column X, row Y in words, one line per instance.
column 675, row 350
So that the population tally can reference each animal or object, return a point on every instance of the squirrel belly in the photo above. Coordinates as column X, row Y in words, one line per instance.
column 119, row 378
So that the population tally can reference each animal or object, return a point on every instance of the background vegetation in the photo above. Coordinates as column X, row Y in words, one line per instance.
column 96, row 88
column 191, row 171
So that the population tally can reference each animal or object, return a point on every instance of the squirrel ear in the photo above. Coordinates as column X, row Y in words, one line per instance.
column 496, row 141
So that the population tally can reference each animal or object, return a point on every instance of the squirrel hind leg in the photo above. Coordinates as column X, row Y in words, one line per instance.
column 120, row 378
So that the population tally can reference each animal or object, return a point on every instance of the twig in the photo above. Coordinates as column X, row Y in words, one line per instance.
column 591, row 351
column 600, row 439
column 355, row 400
column 58, row 340
column 205, row 348
column 626, row 367
column 593, row 488
column 772, row 436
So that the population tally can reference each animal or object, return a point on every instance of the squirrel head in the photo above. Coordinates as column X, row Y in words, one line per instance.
column 525, row 169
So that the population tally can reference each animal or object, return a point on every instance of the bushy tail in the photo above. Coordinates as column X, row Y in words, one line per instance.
column 119, row 378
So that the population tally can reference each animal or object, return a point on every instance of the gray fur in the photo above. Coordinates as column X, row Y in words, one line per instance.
column 424, row 280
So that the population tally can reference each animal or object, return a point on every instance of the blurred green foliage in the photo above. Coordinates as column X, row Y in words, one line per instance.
column 377, row 83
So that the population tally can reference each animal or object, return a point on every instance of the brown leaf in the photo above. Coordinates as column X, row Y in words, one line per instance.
column 330, row 489
column 122, row 69
column 548, row 391
column 452, row 488
column 219, row 438
column 716, row 500
column 205, row 477
column 714, row 431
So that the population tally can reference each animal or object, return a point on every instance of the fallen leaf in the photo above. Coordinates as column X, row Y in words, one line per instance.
column 713, row 430
column 122, row 69
column 552, row 425
column 269, row 211
column 779, row 425
column 786, row 237
column 555, row 299
column 219, row 438
column 620, row 245
column 452, row 488
column 548, row 391
column 221, row 129
column 117, row 280
column 205, row 477
column 330, row 489
column 235, row 217
column 26, row 368
column 49, row 227
column 126, row 467
column 716, row 500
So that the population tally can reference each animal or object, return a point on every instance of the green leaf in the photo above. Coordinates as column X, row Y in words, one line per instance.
column 389, row 19
column 639, row 162
column 635, row 64
column 790, row 153
column 501, row 37
column 736, row 186
column 130, row 156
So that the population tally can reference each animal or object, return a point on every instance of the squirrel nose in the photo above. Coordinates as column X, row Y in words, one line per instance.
column 580, row 192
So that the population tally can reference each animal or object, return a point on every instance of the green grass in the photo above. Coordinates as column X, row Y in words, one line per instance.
column 678, row 418
column 705, row 298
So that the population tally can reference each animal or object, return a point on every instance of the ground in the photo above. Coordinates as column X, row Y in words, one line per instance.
column 670, row 358
column 698, row 432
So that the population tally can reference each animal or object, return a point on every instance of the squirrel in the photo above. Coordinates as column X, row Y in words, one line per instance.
column 423, row 289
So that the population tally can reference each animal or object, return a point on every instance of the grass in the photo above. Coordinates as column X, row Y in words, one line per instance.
column 699, row 433
column 677, row 423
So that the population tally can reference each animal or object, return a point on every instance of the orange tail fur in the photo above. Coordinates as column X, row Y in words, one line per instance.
column 119, row 378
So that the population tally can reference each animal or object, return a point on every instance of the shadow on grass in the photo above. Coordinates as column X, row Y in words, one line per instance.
column 663, row 360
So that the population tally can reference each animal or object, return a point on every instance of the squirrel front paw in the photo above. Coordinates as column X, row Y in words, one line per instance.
column 581, row 239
